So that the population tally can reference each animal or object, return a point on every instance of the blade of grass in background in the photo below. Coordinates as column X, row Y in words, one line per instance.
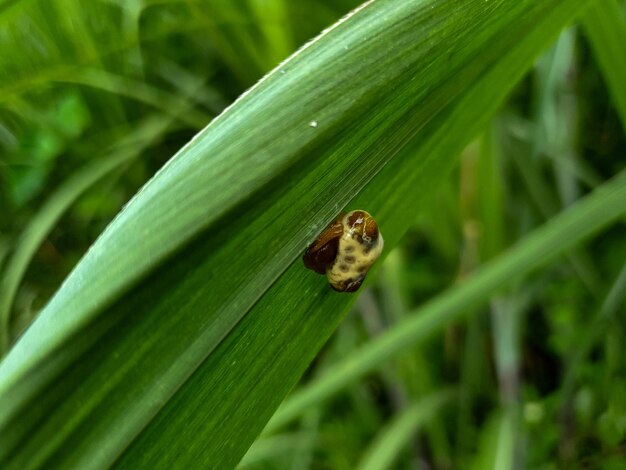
column 41, row 224
column 315, row 134
column 605, row 25
column 385, row 448
column 504, row 455
column 411, row 374
column 598, row 325
column 55, row 207
column 123, row 152
column 139, row 91
column 271, row 447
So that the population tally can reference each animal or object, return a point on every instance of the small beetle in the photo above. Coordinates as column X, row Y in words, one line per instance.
column 346, row 250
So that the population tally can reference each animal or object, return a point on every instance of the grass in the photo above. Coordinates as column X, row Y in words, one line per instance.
column 174, row 338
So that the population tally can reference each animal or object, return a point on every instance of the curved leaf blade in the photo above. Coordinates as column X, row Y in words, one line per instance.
column 220, row 227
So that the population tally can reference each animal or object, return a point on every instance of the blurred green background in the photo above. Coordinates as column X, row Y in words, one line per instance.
column 96, row 96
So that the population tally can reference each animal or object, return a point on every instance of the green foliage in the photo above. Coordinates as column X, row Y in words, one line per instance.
column 174, row 339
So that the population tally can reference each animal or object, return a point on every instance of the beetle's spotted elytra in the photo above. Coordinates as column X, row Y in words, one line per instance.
column 346, row 250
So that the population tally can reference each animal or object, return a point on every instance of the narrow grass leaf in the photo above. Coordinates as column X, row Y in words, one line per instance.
column 385, row 447
column 57, row 204
column 605, row 25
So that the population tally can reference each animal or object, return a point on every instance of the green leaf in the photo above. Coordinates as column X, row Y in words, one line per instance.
column 40, row 226
column 181, row 330
column 59, row 202
column 605, row 25
column 271, row 447
column 391, row 440
column 496, row 446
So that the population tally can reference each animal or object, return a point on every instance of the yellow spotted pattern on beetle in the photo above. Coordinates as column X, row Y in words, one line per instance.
column 346, row 250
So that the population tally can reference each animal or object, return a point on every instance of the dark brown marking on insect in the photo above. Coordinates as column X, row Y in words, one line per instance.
column 356, row 218
column 371, row 229
column 349, row 259
column 344, row 268
column 355, row 223
column 318, row 260
column 351, row 285
column 349, row 249
column 364, row 228
column 323, row 250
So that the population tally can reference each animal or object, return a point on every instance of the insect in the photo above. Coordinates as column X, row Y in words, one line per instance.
column 346, row 250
